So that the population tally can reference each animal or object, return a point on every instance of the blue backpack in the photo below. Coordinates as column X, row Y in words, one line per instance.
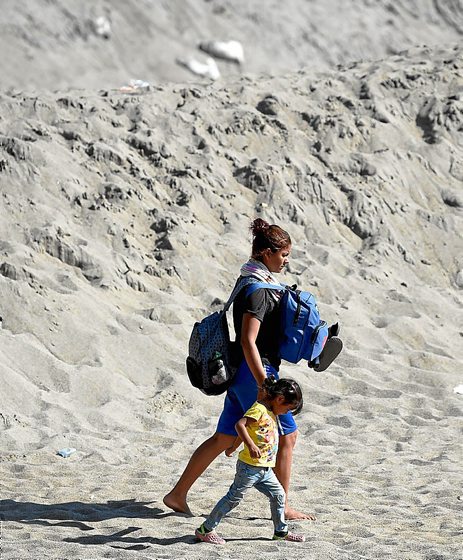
column 303, row 334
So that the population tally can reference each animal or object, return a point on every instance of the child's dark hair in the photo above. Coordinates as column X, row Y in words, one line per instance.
column 286, row 387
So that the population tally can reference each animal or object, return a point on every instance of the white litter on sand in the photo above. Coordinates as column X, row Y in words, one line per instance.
column 135, row 86
column 228, row 50
column 66, row 452
column 208, row 69
column 102, row 27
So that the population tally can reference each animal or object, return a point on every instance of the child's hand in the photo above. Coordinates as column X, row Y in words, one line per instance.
column 254, row 451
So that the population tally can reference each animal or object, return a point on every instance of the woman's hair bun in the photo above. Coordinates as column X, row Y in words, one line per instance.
column 259, row 225
column 267, row 236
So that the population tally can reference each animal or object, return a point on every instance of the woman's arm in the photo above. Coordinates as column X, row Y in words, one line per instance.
column 249, row 331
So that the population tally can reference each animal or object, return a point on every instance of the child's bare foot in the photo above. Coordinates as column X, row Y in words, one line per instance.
column 291, row 514
column 177, row 504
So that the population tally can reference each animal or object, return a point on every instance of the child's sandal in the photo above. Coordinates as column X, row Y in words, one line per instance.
column 210, row 537
column 293, row 537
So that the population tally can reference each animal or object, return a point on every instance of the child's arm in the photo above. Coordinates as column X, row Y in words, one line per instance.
column 233, row 447
column 240, row 427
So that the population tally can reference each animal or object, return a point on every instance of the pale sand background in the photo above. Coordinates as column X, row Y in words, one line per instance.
column 55, row 43
column 124, row 219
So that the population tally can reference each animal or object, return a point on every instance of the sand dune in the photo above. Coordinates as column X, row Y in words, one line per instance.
column 124, row 220
column 94, row 45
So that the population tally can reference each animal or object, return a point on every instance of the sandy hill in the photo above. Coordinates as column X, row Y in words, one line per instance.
column 125, row 219
column 103, row 44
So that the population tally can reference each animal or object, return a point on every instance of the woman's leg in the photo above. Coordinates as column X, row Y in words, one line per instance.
column 212, row 447
column 200, row 460
column 283, row 472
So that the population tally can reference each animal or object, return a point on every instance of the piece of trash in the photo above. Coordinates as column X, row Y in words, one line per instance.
column 66, row 452
column 206, row 69
column 102, row 27
column 135, row 86
column 458, row 389
column 228, row 50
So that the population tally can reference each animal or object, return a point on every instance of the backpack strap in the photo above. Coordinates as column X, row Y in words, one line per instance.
column 252, row 285
column 259, row 285
column 240, row 284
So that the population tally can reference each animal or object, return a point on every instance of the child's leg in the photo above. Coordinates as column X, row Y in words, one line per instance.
column 271, row 487
column 246, row 477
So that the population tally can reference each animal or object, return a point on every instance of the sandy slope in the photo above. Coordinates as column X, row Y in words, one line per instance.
column 58, row 44
column 124, row 219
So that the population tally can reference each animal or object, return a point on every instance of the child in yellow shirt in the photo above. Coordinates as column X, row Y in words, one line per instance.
column 258, row 429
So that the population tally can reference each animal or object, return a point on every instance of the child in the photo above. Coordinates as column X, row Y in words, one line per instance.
column 259, row 432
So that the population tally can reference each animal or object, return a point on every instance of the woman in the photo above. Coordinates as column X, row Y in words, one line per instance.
column 256, row 321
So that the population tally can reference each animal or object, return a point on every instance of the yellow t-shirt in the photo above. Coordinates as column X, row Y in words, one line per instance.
column 264, row 433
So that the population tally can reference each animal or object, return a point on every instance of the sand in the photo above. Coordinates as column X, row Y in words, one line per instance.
column 103, row 44
column 125, row 219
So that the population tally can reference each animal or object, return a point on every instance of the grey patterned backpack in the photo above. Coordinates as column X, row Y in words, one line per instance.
column 209, row 364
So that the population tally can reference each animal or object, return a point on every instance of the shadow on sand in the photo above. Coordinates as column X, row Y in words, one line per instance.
column 79, row 514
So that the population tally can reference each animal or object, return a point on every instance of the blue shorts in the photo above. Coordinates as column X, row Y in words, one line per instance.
column 241, row 395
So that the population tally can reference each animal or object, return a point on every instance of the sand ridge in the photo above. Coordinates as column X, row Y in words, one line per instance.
column 56, row 45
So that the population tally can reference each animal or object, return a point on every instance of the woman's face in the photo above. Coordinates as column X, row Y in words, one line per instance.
column 276, row 261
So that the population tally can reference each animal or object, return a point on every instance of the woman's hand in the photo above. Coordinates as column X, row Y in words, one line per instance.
column 260, row 393
column 233, row 447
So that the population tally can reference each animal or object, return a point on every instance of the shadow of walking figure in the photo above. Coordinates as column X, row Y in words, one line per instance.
column 79, row 514
column 11, row 510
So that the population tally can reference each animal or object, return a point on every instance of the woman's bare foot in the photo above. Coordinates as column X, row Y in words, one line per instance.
column 177, row 504
column 291, row 513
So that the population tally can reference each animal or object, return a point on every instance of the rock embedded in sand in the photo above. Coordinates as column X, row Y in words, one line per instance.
column 268, row 106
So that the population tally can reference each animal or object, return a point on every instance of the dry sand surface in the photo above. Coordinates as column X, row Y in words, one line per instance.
column 103, row 43
column 124, row 218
